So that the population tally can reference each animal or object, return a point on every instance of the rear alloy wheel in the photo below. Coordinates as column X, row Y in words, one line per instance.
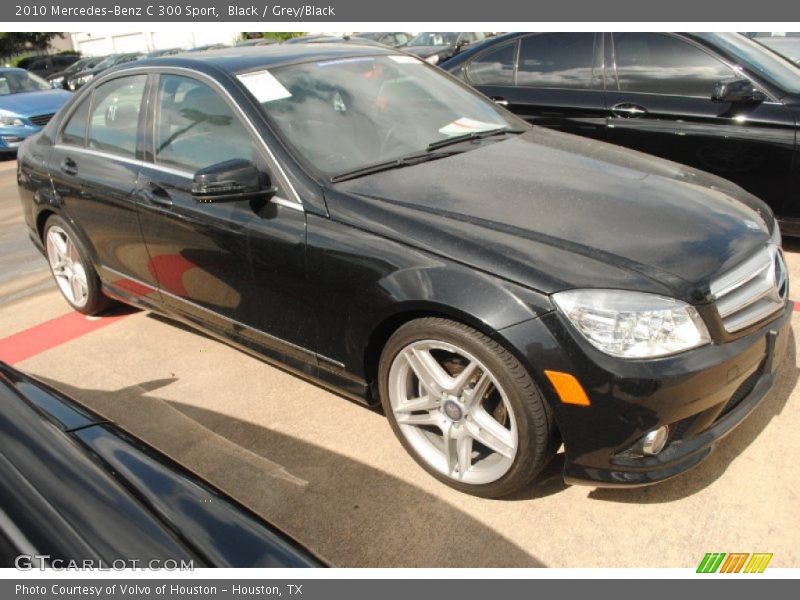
column 464, row 407
column 73, row 272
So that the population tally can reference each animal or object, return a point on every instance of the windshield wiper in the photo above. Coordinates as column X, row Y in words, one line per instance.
column 473, row 135
column 405, row 161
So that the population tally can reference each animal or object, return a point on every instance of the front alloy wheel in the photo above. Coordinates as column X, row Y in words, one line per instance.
column 453, row 412
column 464, row 407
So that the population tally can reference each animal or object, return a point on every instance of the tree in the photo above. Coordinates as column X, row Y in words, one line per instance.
column 13, row 43
column 281, row 36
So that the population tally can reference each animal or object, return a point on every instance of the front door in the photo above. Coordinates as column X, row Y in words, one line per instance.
column 236, row 268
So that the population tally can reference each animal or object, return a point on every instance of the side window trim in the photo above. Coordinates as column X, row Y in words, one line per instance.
column 149, row 158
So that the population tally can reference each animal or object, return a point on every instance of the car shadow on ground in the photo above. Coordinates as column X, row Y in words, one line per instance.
column 727, row 449
column 349, row 512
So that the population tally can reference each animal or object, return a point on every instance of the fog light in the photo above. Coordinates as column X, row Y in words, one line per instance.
column 654, row 441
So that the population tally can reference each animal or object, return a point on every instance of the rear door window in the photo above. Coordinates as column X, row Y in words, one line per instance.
column 114, row 118
column 556, row 60
column 496, row 67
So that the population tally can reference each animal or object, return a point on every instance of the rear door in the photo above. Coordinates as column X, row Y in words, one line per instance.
column 94, row 167
column 659, row 89
column 549, row 79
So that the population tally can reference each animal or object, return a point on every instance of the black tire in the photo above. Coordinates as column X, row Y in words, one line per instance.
column 535, row 426
column 96, row 301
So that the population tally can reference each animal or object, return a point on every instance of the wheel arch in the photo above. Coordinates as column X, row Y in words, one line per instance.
column 48, row 211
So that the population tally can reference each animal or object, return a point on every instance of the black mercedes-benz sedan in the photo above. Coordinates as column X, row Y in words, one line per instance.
column 377, row 226
column 719, row 102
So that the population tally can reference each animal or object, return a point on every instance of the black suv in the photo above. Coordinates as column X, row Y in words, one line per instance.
column 47, row 65
column 716, row 101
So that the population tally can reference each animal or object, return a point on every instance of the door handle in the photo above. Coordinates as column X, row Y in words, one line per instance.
column 157, row 195
column 628, row 110
column 499, row 100
column 69, row 166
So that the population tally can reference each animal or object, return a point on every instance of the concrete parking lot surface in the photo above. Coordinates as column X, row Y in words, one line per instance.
column 331, row 473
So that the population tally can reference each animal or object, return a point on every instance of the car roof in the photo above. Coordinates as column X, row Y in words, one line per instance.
column 240, row 59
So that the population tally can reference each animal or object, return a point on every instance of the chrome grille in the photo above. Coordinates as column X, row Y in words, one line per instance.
column 41, row 120
column 752, row 291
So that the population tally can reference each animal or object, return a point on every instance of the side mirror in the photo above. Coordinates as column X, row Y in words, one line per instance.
column 230, row 181
column 737, row 91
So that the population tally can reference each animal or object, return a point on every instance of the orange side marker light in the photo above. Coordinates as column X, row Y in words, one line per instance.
column 569, row 389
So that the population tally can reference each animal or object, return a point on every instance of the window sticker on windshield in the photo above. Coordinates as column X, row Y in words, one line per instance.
column 341, row 61
column 407, row 60
column 264, row 86
column 466, row 125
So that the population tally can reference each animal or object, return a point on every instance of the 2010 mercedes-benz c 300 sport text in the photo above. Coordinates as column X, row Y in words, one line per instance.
column 373, row 224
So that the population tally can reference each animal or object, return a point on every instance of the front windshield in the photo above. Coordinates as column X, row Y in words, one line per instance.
column 434, row 38
column 17, row 81
column 769, row 65
column 345, row 114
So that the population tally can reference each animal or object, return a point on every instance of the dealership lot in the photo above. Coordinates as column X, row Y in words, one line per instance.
column 331, row 473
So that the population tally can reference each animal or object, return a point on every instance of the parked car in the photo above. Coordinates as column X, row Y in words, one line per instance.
column 77, row 487
column 81, row 78
column 438, row 46
column 47, row 65
column 786, row 44
column 163, row 52
column 27, row 103
column 394, row 39
column 372, row 224
column 716, row 101
column 59, row 79
column 207, row 47
column 257, row 42
column 330, row 39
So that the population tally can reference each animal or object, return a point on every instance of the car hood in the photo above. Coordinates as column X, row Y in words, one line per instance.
column 27, row 104
column 555, row 211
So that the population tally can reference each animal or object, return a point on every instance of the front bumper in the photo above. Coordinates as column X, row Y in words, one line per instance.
column 701, row 395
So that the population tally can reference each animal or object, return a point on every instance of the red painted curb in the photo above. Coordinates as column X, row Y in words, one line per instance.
column 45, row 336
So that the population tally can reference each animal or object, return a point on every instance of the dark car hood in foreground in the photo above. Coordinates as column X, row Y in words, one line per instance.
column 556, row 211
column 76, row 487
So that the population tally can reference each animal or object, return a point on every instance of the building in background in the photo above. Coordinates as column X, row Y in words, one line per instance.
column 102, row 43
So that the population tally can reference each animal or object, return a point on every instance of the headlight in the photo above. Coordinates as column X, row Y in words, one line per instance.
column 633, row 324
column 9, row 119
column 433, row 59
column 57, row 81
column 85, row 78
